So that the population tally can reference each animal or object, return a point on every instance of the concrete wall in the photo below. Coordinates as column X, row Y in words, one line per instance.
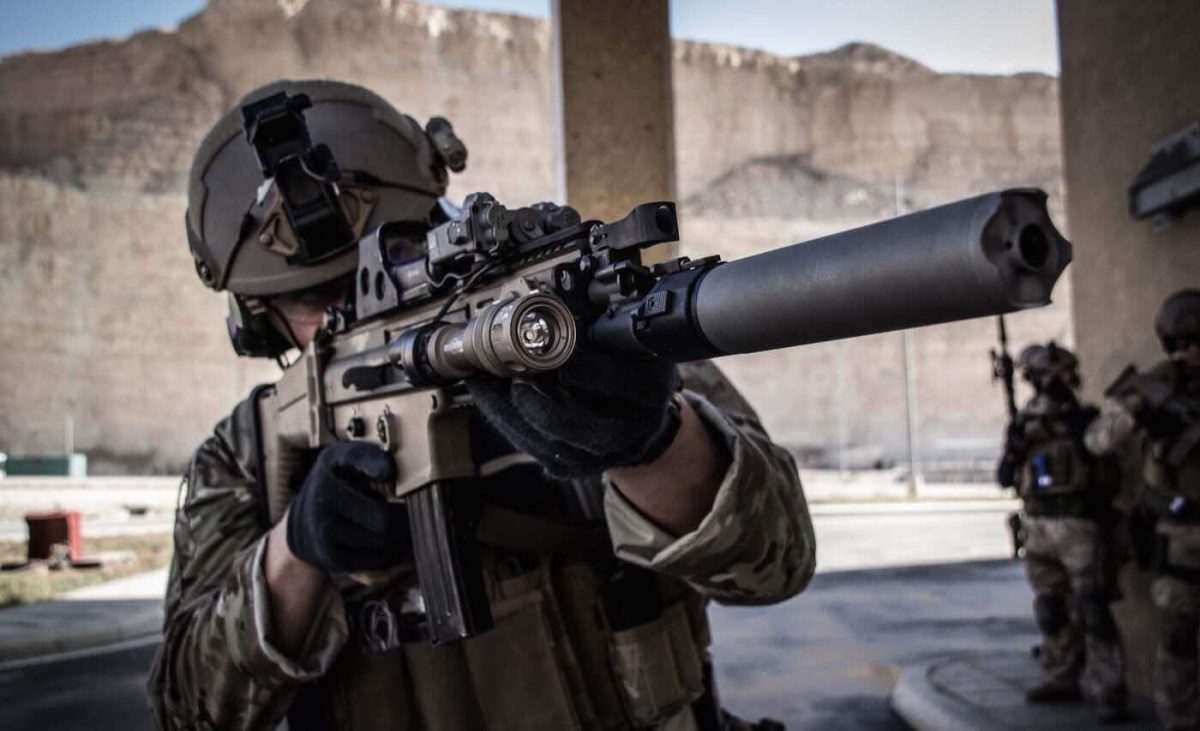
column 1128, row 80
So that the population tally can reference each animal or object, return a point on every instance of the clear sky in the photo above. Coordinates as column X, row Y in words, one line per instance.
column 982, row 36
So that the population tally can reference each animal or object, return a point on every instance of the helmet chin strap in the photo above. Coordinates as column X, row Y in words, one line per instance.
column 1058, row 390
column 280, row 322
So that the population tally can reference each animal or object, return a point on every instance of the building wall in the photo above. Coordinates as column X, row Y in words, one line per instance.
column 1128, row 80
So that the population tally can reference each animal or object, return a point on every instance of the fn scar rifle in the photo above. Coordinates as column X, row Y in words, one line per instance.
column 1168, row 404
column 510, row 292
column 1002, row 371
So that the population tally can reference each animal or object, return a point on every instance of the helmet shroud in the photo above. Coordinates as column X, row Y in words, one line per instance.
column 387, row 168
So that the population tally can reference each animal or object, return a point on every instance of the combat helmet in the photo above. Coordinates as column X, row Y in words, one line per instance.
column 1036, row 361
column 289, row 179
column 1178, row 319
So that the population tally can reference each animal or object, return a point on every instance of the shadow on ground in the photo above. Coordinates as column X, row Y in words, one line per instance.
column 829, row 658
column 825, row 660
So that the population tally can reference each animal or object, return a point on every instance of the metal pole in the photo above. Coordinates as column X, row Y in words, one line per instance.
column 910, row 402
column 69, row 434
column 910, row 377
column 841, row 409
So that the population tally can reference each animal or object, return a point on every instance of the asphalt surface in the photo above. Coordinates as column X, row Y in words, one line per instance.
column 829, row 658
column 105, row 691
column 826, row 659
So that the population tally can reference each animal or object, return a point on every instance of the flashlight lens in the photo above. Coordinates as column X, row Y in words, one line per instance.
column 536, row 332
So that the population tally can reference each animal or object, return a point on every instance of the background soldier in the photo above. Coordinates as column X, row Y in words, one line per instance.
column 635, row 493
column 1163, row 405
column 1067, row 508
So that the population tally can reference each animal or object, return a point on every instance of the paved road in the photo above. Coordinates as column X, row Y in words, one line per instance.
column 877, row 535
column 825, row 660
column 828, row 659
column 99, row 692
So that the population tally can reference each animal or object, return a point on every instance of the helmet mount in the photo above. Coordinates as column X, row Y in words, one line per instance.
column 305, row 176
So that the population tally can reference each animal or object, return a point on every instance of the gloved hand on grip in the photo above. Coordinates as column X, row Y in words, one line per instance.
column 597, row 411
column 1160, row 423
column 1015, row 442
column 338, row 523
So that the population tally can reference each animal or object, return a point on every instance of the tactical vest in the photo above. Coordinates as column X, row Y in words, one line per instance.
column 1179, row 479
column 1055, row 463
column 581, row 640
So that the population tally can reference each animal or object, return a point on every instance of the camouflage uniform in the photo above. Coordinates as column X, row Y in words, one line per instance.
column 1172, row 495
column 582, row 640
column 1067, row 546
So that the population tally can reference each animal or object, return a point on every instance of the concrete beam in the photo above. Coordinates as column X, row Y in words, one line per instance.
column 613, row 78
column 1128, row 80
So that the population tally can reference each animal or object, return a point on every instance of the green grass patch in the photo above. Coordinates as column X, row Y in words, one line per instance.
column 37, row 582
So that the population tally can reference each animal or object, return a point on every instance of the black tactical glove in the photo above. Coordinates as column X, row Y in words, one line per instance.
column 1006, row 472
column 597, row 411
column 1010, row 456
column 337, row 523
column 1014, row 439
column 1159, row 423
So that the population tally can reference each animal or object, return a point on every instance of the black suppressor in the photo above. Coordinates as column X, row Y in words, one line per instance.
column 981, row 256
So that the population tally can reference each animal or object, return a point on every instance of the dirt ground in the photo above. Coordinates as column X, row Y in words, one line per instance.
column 37, row 582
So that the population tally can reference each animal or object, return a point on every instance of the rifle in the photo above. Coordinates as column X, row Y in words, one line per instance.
column 1158, row 396
column 509, row 292
column 1002, row 370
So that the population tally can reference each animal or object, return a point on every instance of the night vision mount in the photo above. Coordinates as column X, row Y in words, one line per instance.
column 306, row 175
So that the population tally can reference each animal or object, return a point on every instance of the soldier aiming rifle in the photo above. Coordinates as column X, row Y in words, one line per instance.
column 499, row 480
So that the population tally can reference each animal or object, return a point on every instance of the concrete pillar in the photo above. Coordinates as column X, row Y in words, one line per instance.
column 613, row 75
column 1128, row 80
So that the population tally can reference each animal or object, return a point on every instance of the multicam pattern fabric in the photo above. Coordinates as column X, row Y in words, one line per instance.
column 218, row 669
column 1111, row 428
column 1062, row 561
column 1177, row 599
column 1067, row 555
column 745, row 551
column 1176, row 695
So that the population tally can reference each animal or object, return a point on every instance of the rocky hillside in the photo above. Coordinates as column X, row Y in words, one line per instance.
column 103, row 319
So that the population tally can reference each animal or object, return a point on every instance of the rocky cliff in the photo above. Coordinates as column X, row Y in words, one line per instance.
column 104, row 321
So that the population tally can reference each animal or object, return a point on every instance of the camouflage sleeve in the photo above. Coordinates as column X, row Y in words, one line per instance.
column 1108, row 431
column 217, row 667
column 756, row 545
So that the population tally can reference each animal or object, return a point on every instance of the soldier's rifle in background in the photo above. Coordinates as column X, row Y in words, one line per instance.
column 510, row 292
column 1165, row 408
column 1002, row 371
